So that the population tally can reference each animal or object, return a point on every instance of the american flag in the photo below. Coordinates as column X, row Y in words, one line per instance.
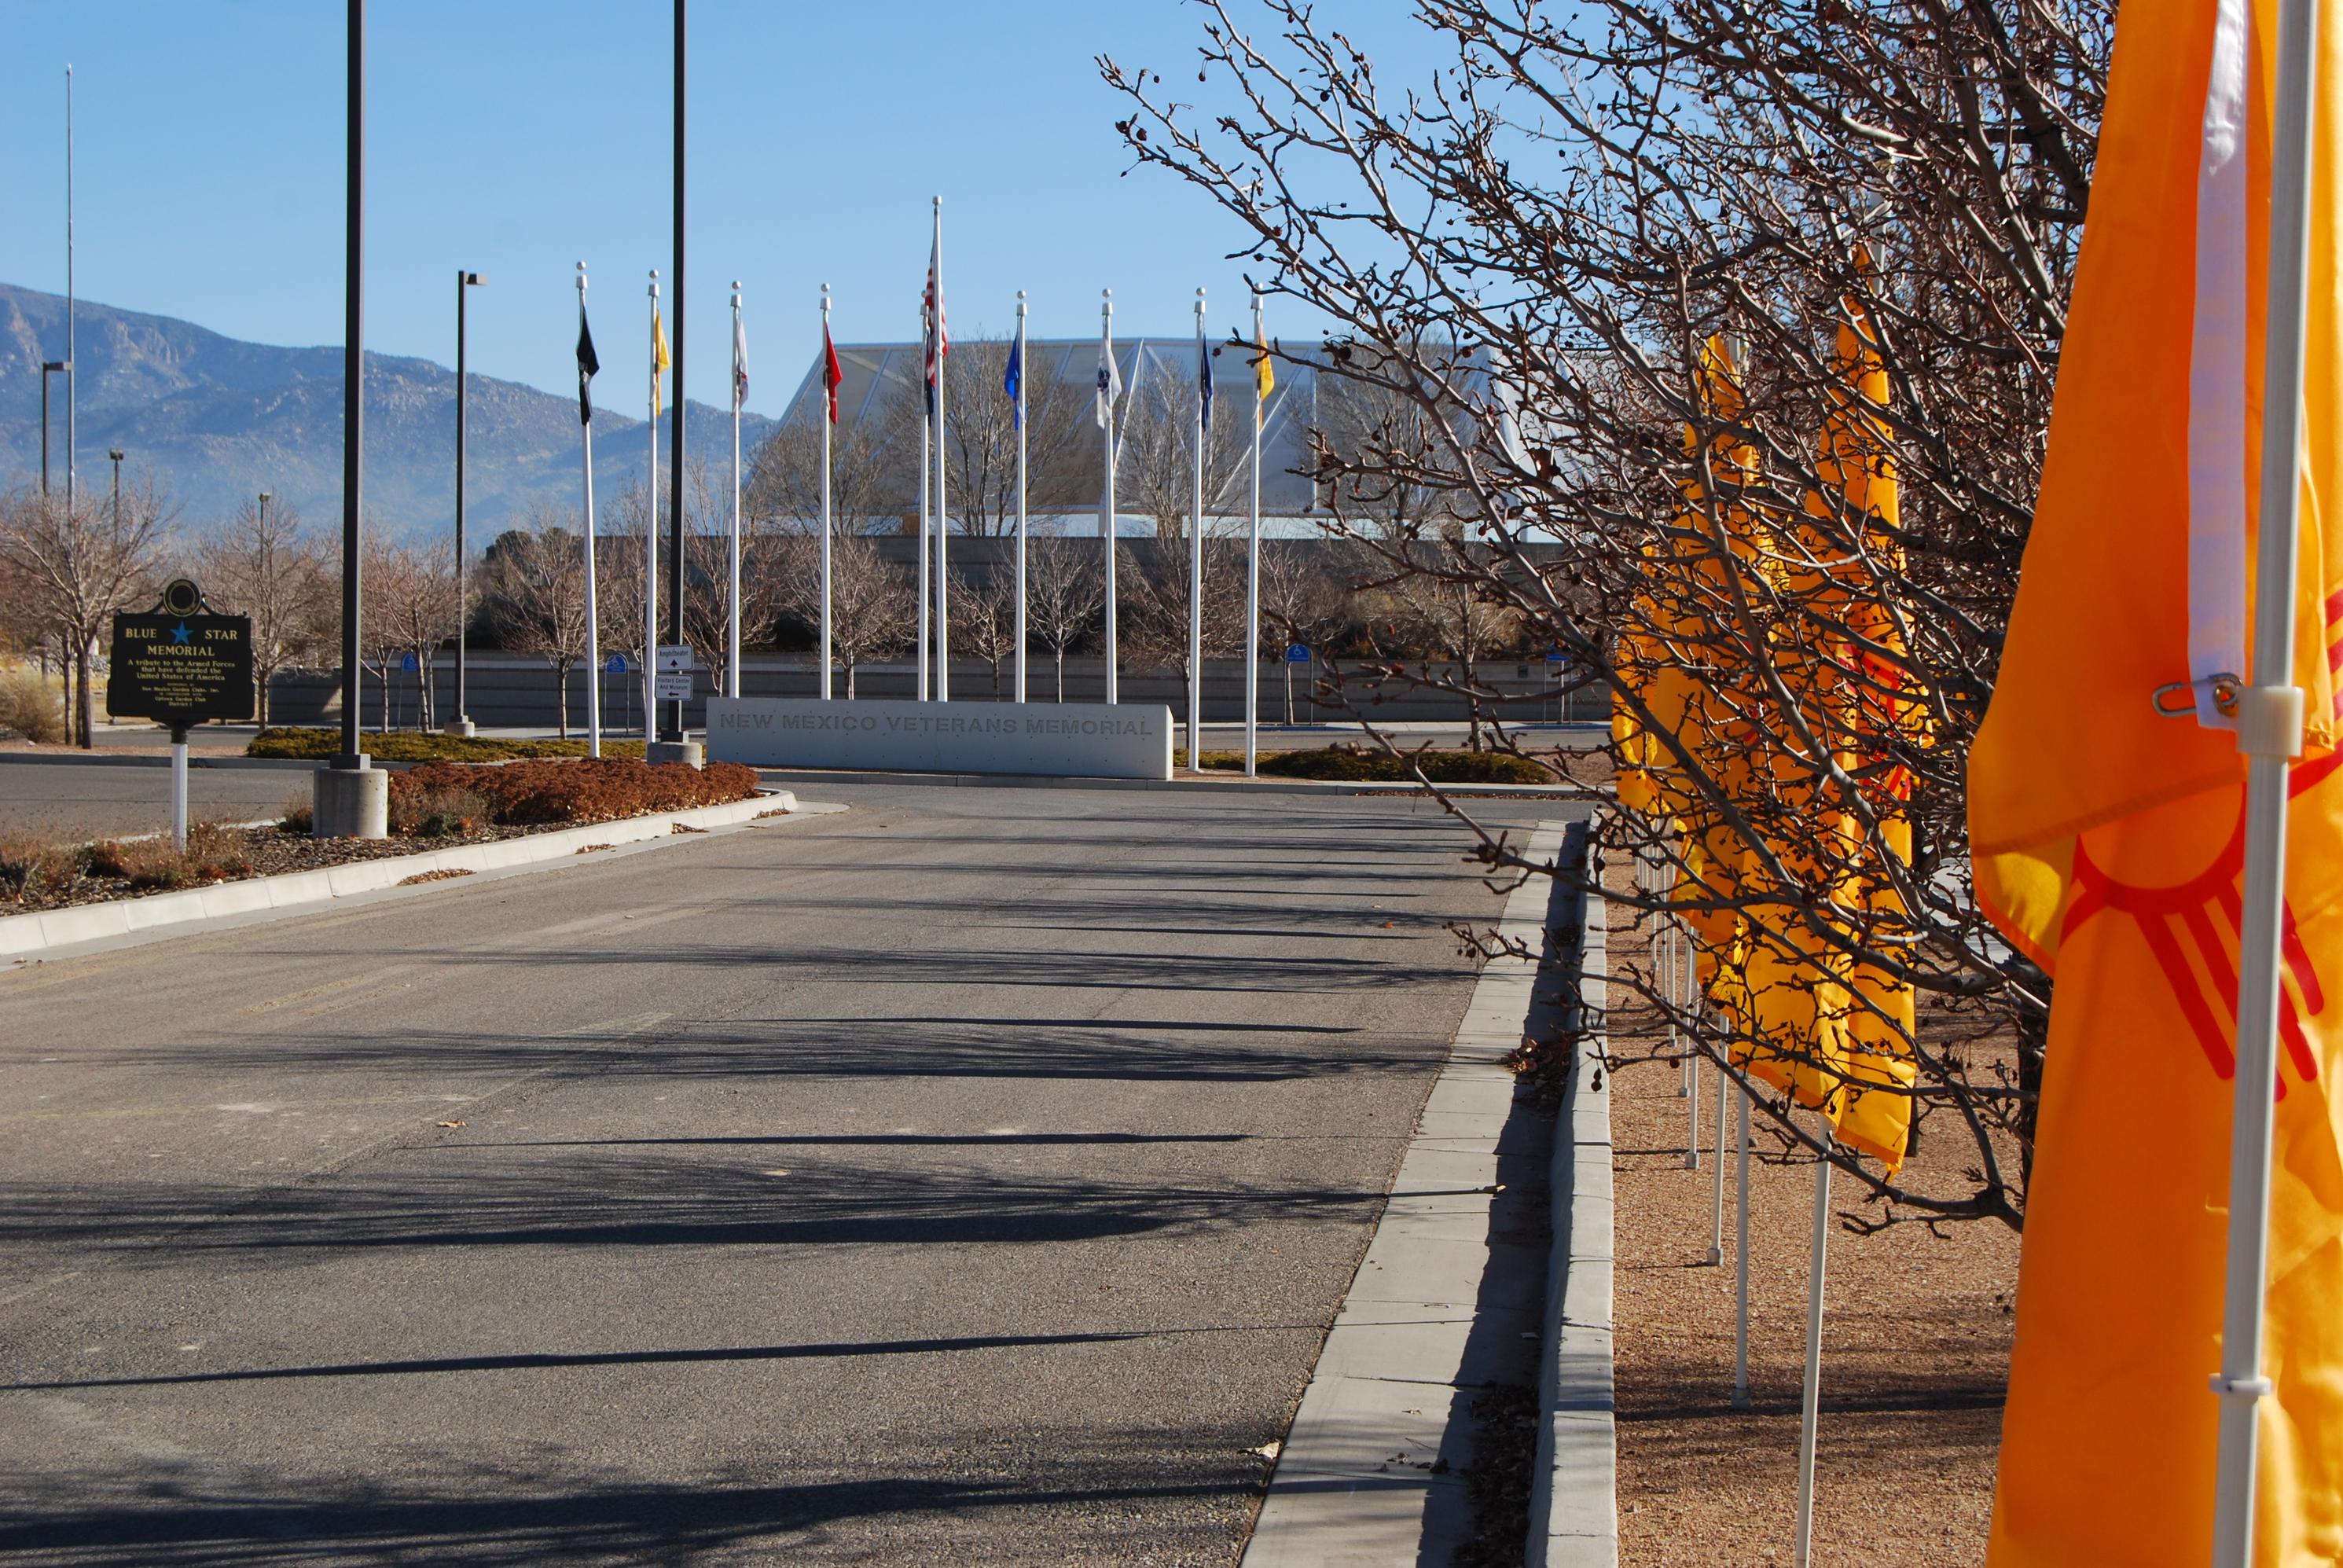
column 931, row 318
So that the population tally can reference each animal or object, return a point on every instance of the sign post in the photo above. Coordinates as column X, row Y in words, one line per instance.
column 181, row 665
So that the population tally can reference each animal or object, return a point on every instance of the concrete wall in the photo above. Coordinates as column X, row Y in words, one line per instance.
column 503, row 691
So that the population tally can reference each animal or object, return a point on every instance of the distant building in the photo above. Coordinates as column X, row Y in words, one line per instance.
column 1155, row 371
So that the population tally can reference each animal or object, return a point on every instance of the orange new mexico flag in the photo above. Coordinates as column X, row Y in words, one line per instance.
column 2107, row 837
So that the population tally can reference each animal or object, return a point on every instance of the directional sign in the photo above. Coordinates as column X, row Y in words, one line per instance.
column 675, row 666
column 408, row 665
column 615, row 664
column 181, row 665
column 1296, row 654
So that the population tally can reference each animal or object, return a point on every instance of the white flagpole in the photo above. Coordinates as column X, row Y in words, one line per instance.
column 651, row 541
column 926, row 437
column 1803, row 1555
column 1252, row 573
column 943, row 518
column 1023, row 370
column 1106, row 504
column 1716, row 1197
column 1196, row 565
column 2269, row 732
column 823, row 414
column 1741, row 1262
column 593, row 610
column 733, row 626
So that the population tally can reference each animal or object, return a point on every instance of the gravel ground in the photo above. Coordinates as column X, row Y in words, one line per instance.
column 1915, row 1351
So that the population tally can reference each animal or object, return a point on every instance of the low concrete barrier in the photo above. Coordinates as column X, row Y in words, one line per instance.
column 1574, row 1488
column 1069, row 739
column 21, row 935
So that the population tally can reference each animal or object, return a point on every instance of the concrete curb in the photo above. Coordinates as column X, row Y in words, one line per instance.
column 117, row 759
column 1574, row 1488
column 22, row 936
column 1371, row 1472
column 1219, row 786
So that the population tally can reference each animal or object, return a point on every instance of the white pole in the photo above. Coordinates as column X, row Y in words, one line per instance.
column 2269, row 732
column 1680, row 997
column 1716, row 1197
column 1252, row 573
column 1023, row 370
column 1741, row 1265
column 1810, row 1400
column 1196, row 566
column 943, row 516
column 593, row 610
column 826, row 395
column 73, row 365
column 1106, row 505
column 650, row 539
column 179, row 790
column 732, row 624
column 926, row 497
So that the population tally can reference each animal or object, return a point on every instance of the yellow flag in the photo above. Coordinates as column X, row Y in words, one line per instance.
column 2107, row 842
column 659, row 358
column 1264, row 373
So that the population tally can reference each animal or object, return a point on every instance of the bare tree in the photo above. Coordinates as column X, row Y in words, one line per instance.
column 1676, row 288
column 78, row 566
column 1065, row 595
column 409, row 610
column 870, row 602
column 537, row 597
column 984, row 619
column 1300, row 603
column 264, row 564
column 708, row 556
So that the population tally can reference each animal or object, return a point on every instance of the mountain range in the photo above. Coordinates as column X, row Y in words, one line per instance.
column 215, row 421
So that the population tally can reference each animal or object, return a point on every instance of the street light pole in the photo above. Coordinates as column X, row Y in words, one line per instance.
column 671, row 729
column 351, row 799
column 462, row 723
column 48, row 368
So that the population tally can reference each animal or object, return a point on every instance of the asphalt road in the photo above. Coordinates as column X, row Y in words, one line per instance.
column 966, row 1177
column 67, row 801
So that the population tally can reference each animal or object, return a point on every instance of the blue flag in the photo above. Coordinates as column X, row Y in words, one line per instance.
column 1016, row 374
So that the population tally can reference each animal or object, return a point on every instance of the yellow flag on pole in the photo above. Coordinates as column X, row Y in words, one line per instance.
column 659, row 358
column 2106, row 814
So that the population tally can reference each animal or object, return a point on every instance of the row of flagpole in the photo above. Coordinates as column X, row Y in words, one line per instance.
column 933, row 679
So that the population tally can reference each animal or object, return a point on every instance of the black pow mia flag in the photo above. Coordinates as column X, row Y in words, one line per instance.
column 587, row 365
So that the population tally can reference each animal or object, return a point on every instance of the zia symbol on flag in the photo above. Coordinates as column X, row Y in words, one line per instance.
column 2178, row 923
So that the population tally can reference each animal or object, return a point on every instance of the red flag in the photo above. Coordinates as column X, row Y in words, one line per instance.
column 931, row 316
column 830, row 373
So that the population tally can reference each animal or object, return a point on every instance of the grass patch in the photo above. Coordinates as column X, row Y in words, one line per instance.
column 415, row 746
column 214, row 854
column 32, row 705
column 1355, row 764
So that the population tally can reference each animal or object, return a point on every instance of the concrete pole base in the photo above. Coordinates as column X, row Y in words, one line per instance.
column 688, row 752
column 349, row 803
column 462, row 727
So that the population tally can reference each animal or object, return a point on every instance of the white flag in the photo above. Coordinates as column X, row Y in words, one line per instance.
column 1110, row 380
column 740, row 361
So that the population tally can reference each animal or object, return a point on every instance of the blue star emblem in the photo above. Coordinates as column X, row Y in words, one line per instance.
column 180, row 634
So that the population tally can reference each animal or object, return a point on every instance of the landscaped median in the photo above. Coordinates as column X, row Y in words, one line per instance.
column 314, row 745
column 448, row 821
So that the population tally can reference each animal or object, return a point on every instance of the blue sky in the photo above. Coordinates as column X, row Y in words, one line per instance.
column 519, row 137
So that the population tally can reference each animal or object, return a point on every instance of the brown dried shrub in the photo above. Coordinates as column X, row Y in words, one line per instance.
column 530, row 794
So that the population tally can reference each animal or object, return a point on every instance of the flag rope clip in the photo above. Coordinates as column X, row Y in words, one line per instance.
column 2243, row 1387
column 2226, row 690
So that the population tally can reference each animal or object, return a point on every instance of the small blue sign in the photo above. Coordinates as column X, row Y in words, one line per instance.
column 1296, row 654
column 1556, row 656
column 409, row 665
column 615, row 664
